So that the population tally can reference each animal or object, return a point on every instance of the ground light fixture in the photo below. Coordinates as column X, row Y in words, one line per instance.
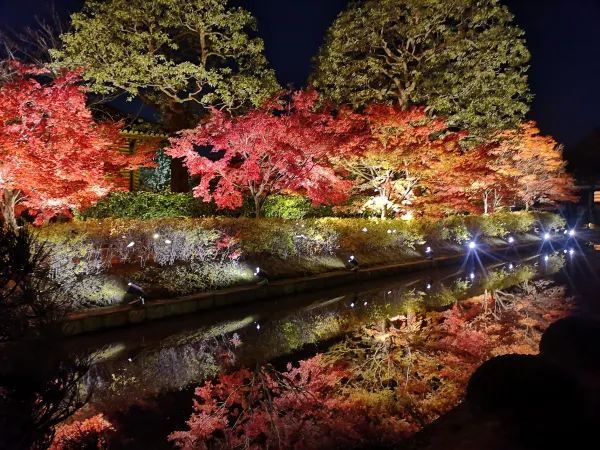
column 134, row 289
column 262, row 276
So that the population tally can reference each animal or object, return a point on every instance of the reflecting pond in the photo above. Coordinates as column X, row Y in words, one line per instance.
column 163, row 360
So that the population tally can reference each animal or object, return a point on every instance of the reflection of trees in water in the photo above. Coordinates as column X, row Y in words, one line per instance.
column 33, row 403
column 197, row 355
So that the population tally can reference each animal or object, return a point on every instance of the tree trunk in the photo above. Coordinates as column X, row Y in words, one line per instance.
column 175, row 119
column 257, row 207
column 7, row 204
column 485, row 203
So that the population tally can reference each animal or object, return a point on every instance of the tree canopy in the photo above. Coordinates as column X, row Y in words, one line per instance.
column 169, row 51
column 465, row 60
column 285, row 146
column 54, row 156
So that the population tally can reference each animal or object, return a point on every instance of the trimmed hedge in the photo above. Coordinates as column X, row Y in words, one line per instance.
column 147, row 205
column 185, row 255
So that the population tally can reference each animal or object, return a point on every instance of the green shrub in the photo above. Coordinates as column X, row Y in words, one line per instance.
column 148, row 205
column 548, row 220
column 292, row 207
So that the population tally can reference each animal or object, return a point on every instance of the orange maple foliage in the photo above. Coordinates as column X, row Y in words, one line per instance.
column 89, row 433
column 54, row 157
column 532, row 166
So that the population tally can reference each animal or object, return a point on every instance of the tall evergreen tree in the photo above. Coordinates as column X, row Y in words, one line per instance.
column 179, row 56
column 463, row 59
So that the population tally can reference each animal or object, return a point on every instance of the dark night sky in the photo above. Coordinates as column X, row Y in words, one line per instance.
column 563, row 36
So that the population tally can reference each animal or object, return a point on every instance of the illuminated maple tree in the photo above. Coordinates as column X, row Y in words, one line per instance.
column 285, row 146
column 458, row 180
column 533, row 166
column 54, row 157
column 404, row 144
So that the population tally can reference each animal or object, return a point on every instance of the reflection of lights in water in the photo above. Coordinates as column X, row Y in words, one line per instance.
column 131, row 244
column 546, row 236
column 511, row 239
column 472, row 245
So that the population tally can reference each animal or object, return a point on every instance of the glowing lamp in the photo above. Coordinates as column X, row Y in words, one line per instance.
column 571, row 252
column 131, row 244
column 364, row 230
column 510, row 266
column 511, row 240
column 571, row 233
column 167, row 241
column 472, row 245
column 546, row 257
column 365, row 303
column 155, row 236
column 428, row 250
column 546, row 236
column 351, row 305
column 258, row 326
column 472, row 276
column 428, row 286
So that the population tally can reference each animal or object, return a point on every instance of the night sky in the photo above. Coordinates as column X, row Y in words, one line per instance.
column 562, row 35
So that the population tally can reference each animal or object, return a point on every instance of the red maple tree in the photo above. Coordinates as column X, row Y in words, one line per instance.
column 54, row 157
column 285, row 146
